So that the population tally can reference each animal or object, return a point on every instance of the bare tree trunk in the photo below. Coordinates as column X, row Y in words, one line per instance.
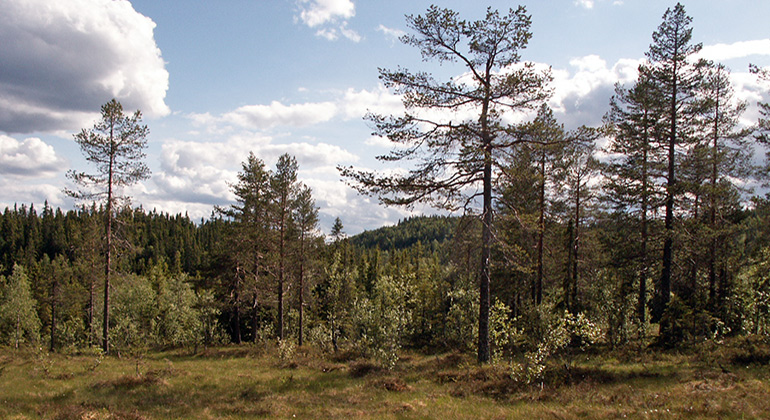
column 641, row 307
column 484, row 353
column 576, row 250
column 108, row 263
column 301, row 287
column 538, row 292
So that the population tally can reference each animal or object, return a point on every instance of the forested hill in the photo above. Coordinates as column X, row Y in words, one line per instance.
column 429, row 230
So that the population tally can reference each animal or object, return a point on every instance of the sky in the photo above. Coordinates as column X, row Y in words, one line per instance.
column 216, row 80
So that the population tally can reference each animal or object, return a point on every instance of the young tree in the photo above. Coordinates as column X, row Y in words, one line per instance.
column 337, row 232
column 115, row 145
column 454, row 130
column 674, row 79
column 17, row 307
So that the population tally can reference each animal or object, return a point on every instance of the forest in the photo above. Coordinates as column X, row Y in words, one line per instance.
column 647, row 235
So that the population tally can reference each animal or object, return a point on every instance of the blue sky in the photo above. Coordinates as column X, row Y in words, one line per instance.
column 216, row 80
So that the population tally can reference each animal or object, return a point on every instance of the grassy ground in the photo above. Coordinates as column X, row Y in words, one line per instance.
column 707, row 381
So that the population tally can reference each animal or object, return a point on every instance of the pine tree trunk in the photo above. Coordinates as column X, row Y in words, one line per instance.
column 301, row 288
column 576, row 251
column 108, row 262
column 641, row 305
column 538, row 292
column 484, row 351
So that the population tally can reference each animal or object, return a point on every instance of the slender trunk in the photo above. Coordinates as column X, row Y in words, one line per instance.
column 567, row 282
column 254, row 317
column 91, row 303
column 237, row 313
column 642, row 298
column 713, row 211
column 576, row 250
column 690, row 293
column 538, row 292
column 301, row 286
column 484, row 354
column 281, row 255
column 664, row 291
column 108, row 262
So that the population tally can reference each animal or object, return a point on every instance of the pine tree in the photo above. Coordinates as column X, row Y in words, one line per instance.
column 726, row 156
column 636, row 165
column 283, row 183
column 455, row 154
column 674, row 79
column 250, row 235
column 306, row 219
column 115, row 145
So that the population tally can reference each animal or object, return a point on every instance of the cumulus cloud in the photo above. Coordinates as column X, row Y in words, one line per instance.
column 31, row 193
column 267, row 116
column 741, row 49
column 350, row 104
column 330, row 17
column 582, row 92
column 202, row 172
column 317, row 12
column 31, row 157
column 357, row 103
column 60, row 61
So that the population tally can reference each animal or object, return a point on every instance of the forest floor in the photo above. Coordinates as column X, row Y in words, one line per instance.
column 709, row 380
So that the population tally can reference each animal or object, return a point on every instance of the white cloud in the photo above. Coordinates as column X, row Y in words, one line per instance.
column 379, row 141
column 350, row 104
column 318, row 12
column 741, row 49
column 390, row 33
column 587, row 4
column 29, row 158
column 34, row 193
column 267, row 116
column 330, row 17
column 582, row 93
column 60, row 61
column 329, row 33
column 349, row 33
column 201, row 172
column 356, row 104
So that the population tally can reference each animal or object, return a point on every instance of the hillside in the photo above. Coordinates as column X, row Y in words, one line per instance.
column 424, row 229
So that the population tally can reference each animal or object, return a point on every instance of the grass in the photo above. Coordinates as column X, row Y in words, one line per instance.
column 707, row 381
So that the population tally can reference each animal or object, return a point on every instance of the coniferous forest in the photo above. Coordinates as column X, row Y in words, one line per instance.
column 643, row 239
